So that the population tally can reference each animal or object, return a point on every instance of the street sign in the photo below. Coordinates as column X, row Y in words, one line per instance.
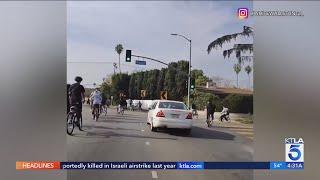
column 143, row 93
column 163, row 95
column 141, row 62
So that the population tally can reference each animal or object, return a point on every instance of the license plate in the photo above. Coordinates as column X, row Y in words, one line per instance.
column 175, row 115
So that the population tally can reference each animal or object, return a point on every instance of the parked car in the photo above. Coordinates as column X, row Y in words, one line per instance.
column 169, row 114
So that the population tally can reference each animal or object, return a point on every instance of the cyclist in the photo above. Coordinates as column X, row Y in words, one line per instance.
column 225, row 114
column 122, row 105
column 131, row 104
column 76, row 96
column 103, row 104
column 194, row 110
column 68, row 99
column 210, row 112
column 96, row 98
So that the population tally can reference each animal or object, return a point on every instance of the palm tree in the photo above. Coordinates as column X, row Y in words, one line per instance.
column 119, row 49
column 237, row 48
column 237, row 69
column 248, row 69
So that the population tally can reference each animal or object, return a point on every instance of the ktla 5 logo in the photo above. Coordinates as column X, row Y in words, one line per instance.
column 294, row 150
column 243, row 13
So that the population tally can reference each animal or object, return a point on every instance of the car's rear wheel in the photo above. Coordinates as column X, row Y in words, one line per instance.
column 153, row 129
column 187, row 131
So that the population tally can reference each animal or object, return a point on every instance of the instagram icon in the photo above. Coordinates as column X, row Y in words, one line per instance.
column 243, row 13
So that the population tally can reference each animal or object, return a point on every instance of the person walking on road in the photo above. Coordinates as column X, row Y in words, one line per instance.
column 210, row 112
column 76, row 94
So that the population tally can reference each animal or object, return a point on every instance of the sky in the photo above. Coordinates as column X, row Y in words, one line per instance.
column 95, row 28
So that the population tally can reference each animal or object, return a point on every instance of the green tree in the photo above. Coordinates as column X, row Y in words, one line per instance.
column 120, row 84
column 237, row 69
column 170, row 82
column 132, row 92
column 248, row 69
column 160, row 83
column 106, row 89
column 119, row 49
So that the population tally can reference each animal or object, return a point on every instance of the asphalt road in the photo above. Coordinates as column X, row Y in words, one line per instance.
column 128, row 138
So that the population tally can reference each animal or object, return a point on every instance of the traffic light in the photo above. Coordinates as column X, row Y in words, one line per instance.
column 128, row 55
column 192, row 84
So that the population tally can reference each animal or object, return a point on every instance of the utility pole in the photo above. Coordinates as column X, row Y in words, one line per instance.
column 189, row 74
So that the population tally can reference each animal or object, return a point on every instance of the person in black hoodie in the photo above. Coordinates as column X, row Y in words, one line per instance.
column 210, row 112
column 68, row 99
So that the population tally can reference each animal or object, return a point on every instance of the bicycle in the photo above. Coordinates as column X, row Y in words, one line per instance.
column 96, row 112
column 72, row 120
column 104, row 109
column 120, row 110
column 209, row 121
column 195, row 113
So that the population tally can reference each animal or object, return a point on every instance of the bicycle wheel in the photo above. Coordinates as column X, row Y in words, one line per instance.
column 70, row 123
column 80, row 123
column 96, row 114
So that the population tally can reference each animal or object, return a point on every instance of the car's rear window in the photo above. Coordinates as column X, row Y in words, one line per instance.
column 172, row 105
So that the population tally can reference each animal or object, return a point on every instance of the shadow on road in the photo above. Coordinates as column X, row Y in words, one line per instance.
column 232, row 127
column 201, row 133
column 120, row 121
column 85, row 128
column 113, row 134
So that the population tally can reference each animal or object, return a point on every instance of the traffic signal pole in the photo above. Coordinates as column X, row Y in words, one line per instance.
column 150, row 59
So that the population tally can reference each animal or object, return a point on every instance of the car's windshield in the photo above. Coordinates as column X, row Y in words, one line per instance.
column 172, row 105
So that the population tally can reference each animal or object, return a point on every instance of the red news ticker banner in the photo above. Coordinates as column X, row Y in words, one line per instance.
column 37, row 165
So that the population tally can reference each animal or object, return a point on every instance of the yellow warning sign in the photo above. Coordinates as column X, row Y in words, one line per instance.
column 143, row 93
column 163, row 95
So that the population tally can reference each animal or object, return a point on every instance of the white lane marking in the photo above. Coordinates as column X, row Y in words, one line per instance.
column 142, row 130
column 154, row 174
column 147, row 143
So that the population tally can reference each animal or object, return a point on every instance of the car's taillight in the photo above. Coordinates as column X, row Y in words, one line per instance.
column 160, row 114
column 189, row 116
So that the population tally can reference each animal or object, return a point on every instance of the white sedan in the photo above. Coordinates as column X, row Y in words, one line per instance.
column 169, row 114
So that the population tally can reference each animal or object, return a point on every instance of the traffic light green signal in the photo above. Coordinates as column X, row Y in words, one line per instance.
column 192, row 84
column 128, row 55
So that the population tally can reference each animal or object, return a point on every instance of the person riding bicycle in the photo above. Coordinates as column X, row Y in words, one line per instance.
column 194, row 109
column 96, row 98
column 76, row 96
column 139, row 105
column 210, row 112
column 122, row 105
column 68, row 99
column 224, row 114
column 131, row 104
column 103, row 103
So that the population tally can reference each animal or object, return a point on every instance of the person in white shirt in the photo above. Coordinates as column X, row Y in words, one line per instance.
column 96, row 99
column 224, row 114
